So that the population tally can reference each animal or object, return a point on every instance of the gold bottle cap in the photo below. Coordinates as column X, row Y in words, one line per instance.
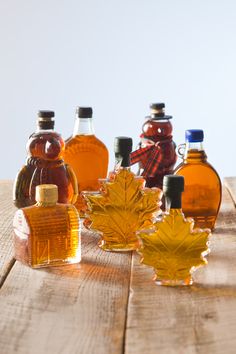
column 47, row 193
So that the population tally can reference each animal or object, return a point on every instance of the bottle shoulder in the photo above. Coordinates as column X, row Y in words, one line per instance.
column 43, row 216
column 199, row 169
column 84, row 142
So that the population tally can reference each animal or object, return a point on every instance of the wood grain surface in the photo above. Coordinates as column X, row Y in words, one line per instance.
column 110, row 305
column 71, row 309
column 188, row 320
column 7, row 211
column 230, row 183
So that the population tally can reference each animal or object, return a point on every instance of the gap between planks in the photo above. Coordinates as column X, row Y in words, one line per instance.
column 230, row 184
column 192, row 320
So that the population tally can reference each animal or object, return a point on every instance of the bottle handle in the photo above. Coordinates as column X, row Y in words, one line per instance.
column 181, row 150
column 73, row 178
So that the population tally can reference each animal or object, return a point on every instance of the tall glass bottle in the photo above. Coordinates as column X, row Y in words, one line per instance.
column 47, row 233
column 202, row 196
column 156, row 154
column 86, row 154
column 172, row 246
column 44, row 165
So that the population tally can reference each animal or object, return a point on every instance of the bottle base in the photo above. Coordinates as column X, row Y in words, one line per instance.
column 174, row 282
column 56, row 263
column 117, row 247
column 202, row 222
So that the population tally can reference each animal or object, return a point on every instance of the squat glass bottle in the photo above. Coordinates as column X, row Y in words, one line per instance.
column 47, row 233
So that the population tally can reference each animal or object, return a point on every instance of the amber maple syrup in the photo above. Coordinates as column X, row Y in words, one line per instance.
column 86, row 154
column 202, row 195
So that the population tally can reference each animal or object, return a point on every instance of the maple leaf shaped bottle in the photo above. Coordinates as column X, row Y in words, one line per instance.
column 202, row 196
column 44, row 165
column 47, row 233
column 123, row 205
column 86, row 154
column 172, row 246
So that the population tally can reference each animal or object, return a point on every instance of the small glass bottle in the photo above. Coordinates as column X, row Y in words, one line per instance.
column 202, row 196
column 171, row 246
column 47, row 233
column 86, row 154
column 156, row 154
column 44, row 165
column 123, row 205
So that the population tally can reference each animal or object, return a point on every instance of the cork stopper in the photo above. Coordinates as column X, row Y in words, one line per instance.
column 46, row 194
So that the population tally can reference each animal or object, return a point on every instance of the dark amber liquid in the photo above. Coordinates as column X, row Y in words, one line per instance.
column 44, row 166
column 88, row 157
column 157, row 131
column 202, row 192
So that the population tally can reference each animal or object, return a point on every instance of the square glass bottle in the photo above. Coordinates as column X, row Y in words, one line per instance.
column 47, row 233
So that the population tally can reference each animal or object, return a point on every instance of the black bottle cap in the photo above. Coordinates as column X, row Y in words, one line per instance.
column 158, row 112
column 84, row 112
column 123, row 145
column 46, row 114
column 157, row 105
column 45, row 120
column 173, row 184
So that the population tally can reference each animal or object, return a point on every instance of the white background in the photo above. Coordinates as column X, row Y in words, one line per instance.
column 118, row 56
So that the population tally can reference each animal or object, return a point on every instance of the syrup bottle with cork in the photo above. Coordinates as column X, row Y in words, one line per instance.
column 202, row 196
column 47, row 233
column 123, row 205
column 156, row 154
column 44, row 165
column 172, row 245
column 86, row 154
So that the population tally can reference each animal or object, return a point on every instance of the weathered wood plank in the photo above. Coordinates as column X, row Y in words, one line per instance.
column 7, row 211
column 198, row 319
column 71, row 309
column 230, row 183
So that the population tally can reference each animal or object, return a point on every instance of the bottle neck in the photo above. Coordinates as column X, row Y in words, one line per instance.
column 194, row 152
column 83, row 126
column 173, row 201
column 122, row 162
column 42, row 130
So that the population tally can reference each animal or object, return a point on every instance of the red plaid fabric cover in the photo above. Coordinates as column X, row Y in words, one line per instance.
column 150, row 156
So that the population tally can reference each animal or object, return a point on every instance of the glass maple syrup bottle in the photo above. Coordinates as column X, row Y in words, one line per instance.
column 47, row 233
column 86, row 154
column 123, row 205
column 156, row 153
column 44, row 165
column 172, row 246
column 202, row 196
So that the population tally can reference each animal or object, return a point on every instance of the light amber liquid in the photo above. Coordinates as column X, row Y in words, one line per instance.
column 173, row 249
column 49, row 237
column 202, row 192
column 88, row 157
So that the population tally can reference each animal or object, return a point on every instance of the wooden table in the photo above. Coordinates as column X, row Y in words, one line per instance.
column 109, row 304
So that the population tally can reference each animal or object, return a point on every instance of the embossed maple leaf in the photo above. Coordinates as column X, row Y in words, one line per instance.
column 173, row 248
column 121, row 208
